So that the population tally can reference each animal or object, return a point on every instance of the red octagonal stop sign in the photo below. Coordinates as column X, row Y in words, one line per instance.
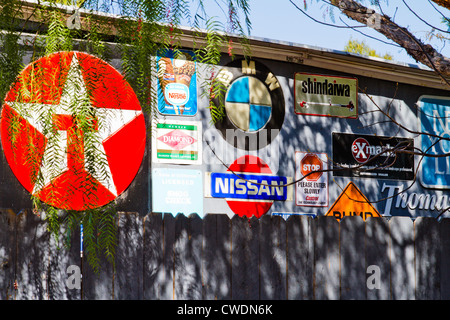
column 42, row 137
column 311, row 167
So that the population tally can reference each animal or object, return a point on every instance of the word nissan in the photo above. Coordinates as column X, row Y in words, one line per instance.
column 248, row 186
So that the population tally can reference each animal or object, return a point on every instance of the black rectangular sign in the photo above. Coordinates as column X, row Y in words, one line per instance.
column 366, row 156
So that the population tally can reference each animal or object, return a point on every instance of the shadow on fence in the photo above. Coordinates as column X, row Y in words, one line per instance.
column 166, row 257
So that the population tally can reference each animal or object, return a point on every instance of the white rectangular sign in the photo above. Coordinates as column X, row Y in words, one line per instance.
column 311, row 188
column 177, row 142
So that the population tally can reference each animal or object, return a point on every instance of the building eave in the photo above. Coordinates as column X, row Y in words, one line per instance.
column 286, row 52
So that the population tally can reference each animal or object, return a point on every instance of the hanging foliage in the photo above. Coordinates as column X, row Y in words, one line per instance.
column 135, row 31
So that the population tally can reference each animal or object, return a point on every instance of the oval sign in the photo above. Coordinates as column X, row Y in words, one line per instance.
column 177, row 94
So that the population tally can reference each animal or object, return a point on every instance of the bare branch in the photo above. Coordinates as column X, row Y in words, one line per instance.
column 423, row 20
column 421, row 52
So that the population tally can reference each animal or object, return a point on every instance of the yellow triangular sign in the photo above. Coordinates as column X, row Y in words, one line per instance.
column 352, row 202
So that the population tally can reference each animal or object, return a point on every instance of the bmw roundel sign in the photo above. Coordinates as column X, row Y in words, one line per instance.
column 253, row 100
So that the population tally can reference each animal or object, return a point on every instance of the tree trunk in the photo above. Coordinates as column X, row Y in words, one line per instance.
column 443, row 3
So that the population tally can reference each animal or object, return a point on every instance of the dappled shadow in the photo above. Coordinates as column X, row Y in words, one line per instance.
column 222, row 258
column 352, row 258
column 377, row 246
column 402, row 258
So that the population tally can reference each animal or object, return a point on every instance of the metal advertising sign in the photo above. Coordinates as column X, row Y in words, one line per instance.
column 177, row 83
column 249, row 187
column 322, row 95
column 352, row 202
column 254, row 102
column 312, row 190
column 177, row 191
column 434, row 122
column 366, row 156
column 177, row 142
column 69, row 88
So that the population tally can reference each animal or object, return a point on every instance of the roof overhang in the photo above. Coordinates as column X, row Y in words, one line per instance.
column 287, row 52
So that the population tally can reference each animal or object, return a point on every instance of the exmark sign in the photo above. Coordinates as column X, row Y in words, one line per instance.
column 434, row 122
column 311, row 188
column 366, row 156
column 248, row 186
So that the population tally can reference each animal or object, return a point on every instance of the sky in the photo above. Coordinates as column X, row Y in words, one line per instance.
column 280, row 20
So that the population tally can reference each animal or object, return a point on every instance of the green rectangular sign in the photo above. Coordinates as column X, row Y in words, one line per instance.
column 177, row 142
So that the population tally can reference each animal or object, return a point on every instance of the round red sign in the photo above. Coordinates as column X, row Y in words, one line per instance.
column 257, row 208
column 309, row 165
column 359, row 150
column 46, row 144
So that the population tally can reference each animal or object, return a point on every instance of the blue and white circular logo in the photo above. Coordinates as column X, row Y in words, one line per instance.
column 248, row 104
column 254, row 103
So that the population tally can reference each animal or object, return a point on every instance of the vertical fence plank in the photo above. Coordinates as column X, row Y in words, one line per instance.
column 188, row 257
column 300, row 254
column 326, row 256
column 62, row 255
column 378, row 269
column 352, row 253
column 216, row 260
column 245, row 258
column 128, row 282
column 153, row 247
column 272, row 242
column 96, row 285
column 402, row 258
column 7, row 254
column 444, row 230
column 31, row 265
column 181, row 246
column 427, row 258
column 167, row 289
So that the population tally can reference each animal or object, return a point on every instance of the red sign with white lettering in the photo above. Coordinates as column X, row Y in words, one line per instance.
column 249, row 164
column 359, row 151
column 311, row 167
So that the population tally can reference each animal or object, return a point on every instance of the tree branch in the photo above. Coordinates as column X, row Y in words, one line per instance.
column 442, row 3
column 423, row 53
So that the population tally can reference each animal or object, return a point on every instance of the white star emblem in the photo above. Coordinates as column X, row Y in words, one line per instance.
column 74, row 100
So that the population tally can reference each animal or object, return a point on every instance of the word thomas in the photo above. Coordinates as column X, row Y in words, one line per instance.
column 400, row 199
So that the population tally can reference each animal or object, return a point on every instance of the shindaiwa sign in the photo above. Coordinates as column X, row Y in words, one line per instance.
column 323, row 95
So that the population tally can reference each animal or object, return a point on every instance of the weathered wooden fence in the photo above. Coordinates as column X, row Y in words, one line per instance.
column 166, row 257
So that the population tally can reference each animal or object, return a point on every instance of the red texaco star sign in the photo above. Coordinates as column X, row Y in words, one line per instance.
column 67, row 88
